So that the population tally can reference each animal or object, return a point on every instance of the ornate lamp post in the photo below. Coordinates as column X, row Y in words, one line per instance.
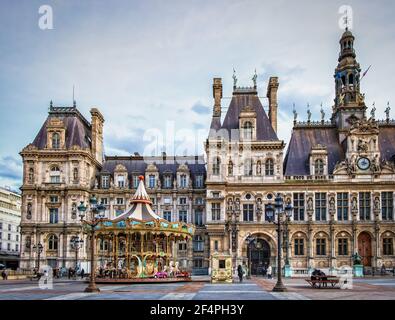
column 280, row 211
column 39, row 249
column 76, row 244
column 95, row 218
column 250, row 241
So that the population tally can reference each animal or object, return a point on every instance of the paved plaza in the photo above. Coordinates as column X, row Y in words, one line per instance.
column 252, row 289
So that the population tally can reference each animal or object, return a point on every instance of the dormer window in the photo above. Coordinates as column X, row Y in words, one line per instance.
column 151, row 181
column 56, row 140
column 55, row 174
column 135, row 181
column 269, row 167
column 167, row 182
column 319, row 167
column 247, row 131
column 216, row 166
column 105, row 182
column 121, row 181
column 183, row 181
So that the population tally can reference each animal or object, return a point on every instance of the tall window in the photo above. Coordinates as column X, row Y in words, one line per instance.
column 53, row 215
column 183, row 181
column 216, row 166
column 55, row 174
column 248, row 167
column 53, row 242
column 364, row 205
column 55, row 140
column 299, row 206
column 105, row 182
column 198, row 243
column 388, row 247
column 269, row 167
column 387, row 205
column 320, row 206
column 151, row 182
column 198, row 217
column 216, row 211
column 183, row 200
column 342, row 206
column 167, row 182
column 342, row 246
column 247, row 131
column 135, row 181
column 248, row 212
column 75, row 174
column 199, row 181
column 121, row 181
column 30, row 177
column 167, row 215
column 230, row 168
column 198, row 263
column 320, row 247
column 299, row 247
column 183, row 216
column 319, row 167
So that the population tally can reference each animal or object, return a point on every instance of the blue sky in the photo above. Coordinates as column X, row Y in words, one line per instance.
column 148, row 65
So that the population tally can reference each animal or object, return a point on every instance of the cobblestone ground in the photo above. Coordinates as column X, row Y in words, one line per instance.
column 253, row 289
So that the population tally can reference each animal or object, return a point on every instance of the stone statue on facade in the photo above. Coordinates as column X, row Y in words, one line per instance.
column 310, row 204
column 354, row 205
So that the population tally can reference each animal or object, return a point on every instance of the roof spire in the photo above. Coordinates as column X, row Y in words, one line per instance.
column 234, row 78
column 387, row 112
column 308, row 113
column 295, row 114
column 254, row 79
column 322, row 114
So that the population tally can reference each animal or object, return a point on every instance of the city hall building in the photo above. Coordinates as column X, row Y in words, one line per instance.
column 337, row 173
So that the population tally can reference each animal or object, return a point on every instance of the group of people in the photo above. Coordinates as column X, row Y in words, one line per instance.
column 266, row 271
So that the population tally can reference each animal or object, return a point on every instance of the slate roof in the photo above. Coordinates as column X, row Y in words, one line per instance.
column 78, row 129
column 264, row 129
column 138, row 165
column 296, row 161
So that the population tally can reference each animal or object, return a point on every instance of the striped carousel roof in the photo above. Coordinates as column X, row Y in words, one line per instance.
column 140, row 206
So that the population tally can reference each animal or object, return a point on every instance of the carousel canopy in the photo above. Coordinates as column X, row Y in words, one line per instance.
column 140, row 206
column 140, row 217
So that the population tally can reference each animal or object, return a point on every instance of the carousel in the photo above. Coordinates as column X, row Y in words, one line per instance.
column 140, row 246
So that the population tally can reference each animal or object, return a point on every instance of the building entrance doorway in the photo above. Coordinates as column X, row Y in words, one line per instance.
column 260, row 256
column 365, row 248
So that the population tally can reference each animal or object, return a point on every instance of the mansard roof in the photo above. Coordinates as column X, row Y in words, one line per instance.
column 78, row 129
column 139, row 164
column 241, row 99
column 304, row 137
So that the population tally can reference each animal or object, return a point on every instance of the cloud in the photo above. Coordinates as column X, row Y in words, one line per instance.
column 199, row 108
column 11, row 171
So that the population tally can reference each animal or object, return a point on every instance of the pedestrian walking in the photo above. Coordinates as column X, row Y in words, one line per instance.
column 240, row 272
column 70, row 272
column 269, row 272
column 82, row 273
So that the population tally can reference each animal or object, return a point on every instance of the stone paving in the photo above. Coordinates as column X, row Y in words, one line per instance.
column 256, row 288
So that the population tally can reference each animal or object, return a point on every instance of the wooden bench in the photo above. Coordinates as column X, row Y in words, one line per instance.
column 323, row 281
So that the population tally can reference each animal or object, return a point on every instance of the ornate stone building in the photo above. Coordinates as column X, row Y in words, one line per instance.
column 64, row 165
column 337, row 174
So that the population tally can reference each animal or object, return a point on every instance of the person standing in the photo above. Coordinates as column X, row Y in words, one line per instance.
column 269, row 272
column 82, row 273
column 240, row 272
column 4, row 275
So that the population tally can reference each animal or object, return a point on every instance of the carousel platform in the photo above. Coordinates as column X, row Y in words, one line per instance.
column 141, row 280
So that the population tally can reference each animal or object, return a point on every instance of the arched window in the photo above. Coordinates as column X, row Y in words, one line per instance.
column 216, row 166
column 248, row 167
column 55, row 140
column 55, row 174
column 269, row 167
column 75, row 174
column 319, row 167
column 247, row 130
column 53, row 242
column 230, row 168
column 30, row 177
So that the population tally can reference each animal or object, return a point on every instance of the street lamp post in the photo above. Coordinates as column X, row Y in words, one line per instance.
column 250, row 240
column 76, row 244
column 39, row 249
column 278, row 210
column 96, row 217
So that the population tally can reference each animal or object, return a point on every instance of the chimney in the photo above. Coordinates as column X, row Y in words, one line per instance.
column 217, row 94
column 272, row 95
column 97, row 121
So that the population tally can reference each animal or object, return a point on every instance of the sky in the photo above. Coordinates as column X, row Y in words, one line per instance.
column 148, row 65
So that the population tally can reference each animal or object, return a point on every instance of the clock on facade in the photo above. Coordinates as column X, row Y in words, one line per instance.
column 363, row 163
